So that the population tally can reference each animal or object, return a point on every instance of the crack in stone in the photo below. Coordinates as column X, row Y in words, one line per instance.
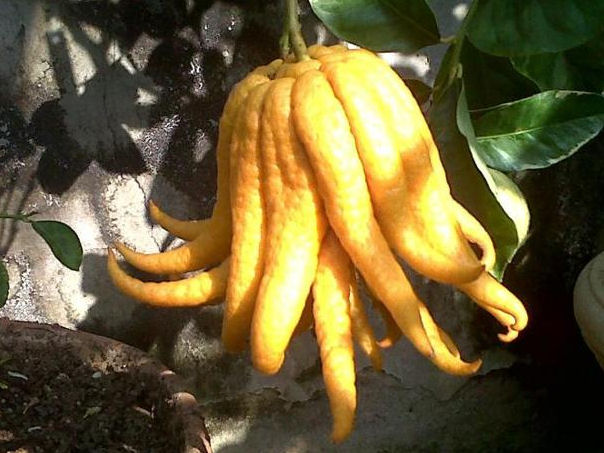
column 145, row 197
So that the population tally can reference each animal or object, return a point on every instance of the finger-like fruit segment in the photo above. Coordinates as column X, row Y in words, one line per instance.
column 487, row 292
column 221, row 217
column 204, row 288
column 323, row 128
column 446, row 355
column 184, row 229
column 475, row 233
column 318, row 50
column 249, row 229
column 295, row 227
column 408, row 122
column 296, row 69
column 362, row 331
column 203, row 252
column 412, row 205
column 333, row 328
column 224, row 150
column 211, row 244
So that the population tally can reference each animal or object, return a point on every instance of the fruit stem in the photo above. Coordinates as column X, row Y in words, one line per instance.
column 21, row 217
column 292, row 34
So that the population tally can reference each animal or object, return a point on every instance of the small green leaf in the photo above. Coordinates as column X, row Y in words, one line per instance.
column 526, row 27
column 3, row 284
column 471, row 182
column 380, row 25
column 538, row 131
column 491, row 80
column 579, row 69
column 92, row 411
column 63, row 242
column 421, row 91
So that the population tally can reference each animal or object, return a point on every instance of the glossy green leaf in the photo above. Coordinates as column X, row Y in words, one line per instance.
column 538, row 131
column 579, row 69
column 491, row 80
column 3, row 284
column 62, row 240
column 510, row 218
column 471, row 181
column 421, row 91
column 525, row 27
column 512, row 201
column 380, row 25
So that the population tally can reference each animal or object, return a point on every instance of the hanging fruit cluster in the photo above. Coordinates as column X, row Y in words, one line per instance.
column 326, row 171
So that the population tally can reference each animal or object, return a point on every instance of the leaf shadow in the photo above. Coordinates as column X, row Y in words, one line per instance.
column 15, row 150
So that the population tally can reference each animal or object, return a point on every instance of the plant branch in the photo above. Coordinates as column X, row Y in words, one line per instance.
column 19, row 217
column 458, row 39
column 293, row 30
column 450, row 67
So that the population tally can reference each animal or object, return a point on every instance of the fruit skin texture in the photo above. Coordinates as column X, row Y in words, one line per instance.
column 412, row 204
column 331, row 292
column 210, row 239
column 326, row 168
column 296, row 224
column 249, row 226
column 412, row 200
column 203, row 288
column 323, row 128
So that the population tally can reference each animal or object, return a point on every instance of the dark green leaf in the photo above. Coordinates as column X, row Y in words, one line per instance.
column 580, row 68
column 538, row 131
column 471, row 182
column 421, row 91
column 63, row 242
column 511, row 204
column 590, row 59
column 491, row 80
column 380, row 25
column 525, row 27
column 3, row 284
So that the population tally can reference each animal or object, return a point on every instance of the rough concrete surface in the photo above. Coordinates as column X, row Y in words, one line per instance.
column 107, row 104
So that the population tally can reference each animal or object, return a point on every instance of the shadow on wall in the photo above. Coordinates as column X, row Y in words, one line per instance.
column 15, row 150
column 164, row 68
column 184, row 339
column 160, row 66
column 183, row 57
column 177, row 54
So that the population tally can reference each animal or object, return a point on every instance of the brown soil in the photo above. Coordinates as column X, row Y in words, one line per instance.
column 54, row 400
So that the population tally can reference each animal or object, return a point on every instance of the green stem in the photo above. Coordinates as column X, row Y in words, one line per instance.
column 284, row 43
column 20, row 217
column 461, row 33
column 452, row 64
column 294, row 31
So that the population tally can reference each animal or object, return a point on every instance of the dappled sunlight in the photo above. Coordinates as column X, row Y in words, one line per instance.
column 459, row 11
